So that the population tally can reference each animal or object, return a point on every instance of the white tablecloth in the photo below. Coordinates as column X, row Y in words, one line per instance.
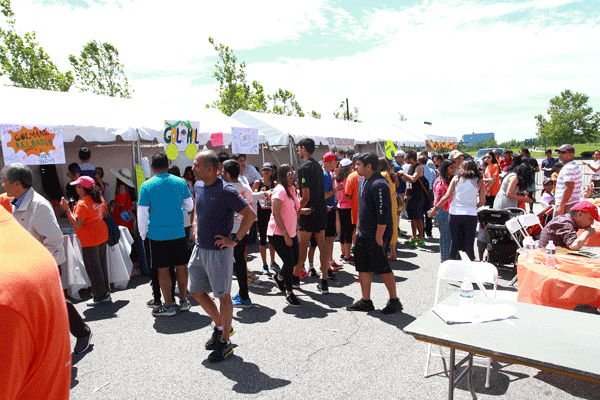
column 73, row 274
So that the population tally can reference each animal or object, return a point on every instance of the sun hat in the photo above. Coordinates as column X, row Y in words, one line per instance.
column 124, row 175
column 84, row 181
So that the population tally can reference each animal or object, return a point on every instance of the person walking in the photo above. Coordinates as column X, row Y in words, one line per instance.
column 88, row 221
column 374, row 232
column 163, row 200
column 282, row 231
column 467, row 192
column 210, row 267
column 441, row 212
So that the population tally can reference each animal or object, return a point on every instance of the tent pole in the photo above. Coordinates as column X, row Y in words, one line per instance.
column 263, row 152
column 290, row 141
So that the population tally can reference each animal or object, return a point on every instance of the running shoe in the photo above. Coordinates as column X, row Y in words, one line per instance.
column 239, row 303
column 412, row 240
column 361, row 305
column 323, row 288
column 154, row 303
column 275, row 267
column 292, row 300
column 253, row 281
column 164, row 311
column 349, row 260
column 215, row 337
column 82, row 344
column 312, row 273
column 392, row 306
column 184, row 305
column 333, row 264
column 105, row 301
column 280, row 284
column 303, row 274
column 222, row 351
column 296, row 283
column 419, row 243
column 265, row 270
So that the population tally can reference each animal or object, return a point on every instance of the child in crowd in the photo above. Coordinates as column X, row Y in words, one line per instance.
column 546, row 194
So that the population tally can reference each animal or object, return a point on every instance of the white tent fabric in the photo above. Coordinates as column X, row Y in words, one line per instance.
column 424, row 132
column 387, row 131
column 278, row 128
column 94, row 118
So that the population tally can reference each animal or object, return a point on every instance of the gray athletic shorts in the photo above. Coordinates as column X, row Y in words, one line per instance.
column 211, row 271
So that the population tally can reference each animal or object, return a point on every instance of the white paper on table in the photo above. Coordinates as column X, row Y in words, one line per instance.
column 474, row 314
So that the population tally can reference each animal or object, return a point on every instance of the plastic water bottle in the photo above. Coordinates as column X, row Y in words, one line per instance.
column 529, row 245
column 551, row 255
column 466, row 294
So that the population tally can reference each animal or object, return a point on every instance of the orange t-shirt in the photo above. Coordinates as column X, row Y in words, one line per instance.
column 351, row 189
column 5, row 202
column 490, row 171
column 94, row 231
column 35, row 348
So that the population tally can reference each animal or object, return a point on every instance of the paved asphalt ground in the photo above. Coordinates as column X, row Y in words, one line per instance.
column 317, row 351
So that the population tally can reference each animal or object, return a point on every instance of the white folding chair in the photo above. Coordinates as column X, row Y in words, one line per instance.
column 477, row 272
column 527, row 221
column 463, row 256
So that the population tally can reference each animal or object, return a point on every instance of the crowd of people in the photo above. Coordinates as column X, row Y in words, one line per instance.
column 196, row 230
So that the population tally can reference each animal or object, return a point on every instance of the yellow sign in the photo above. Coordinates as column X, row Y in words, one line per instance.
column 390, row 149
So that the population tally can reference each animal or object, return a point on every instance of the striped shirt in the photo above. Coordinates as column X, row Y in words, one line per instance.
column 569, row 173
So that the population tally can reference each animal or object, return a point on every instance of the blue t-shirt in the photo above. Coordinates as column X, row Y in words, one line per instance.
column 401, row 189
column 328, row 184
column 215, row 208
column 549, row 163
column 163, row 194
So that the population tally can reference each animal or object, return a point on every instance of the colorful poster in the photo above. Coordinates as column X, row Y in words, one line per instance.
column 216, row 139
column 32, row 144
column 390, row 149
column 181, row 134
column 340, row 143
column 440, row 146
column 244, row 140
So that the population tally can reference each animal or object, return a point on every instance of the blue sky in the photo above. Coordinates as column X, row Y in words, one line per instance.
column 465, row 66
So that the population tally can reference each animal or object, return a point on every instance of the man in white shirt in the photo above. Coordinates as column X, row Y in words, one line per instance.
column 246, row 170
column 568, row 184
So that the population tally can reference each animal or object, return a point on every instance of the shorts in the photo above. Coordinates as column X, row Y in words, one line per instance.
column 370, row 257
column 314, row 222
column 168, row 253
column 330, row 229
column 211, row 270
column 415, row 207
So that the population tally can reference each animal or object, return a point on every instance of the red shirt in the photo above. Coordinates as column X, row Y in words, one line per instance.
column 94, row 231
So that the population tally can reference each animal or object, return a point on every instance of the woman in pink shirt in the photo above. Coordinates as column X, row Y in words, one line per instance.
column 283, row 228
column 440, row 187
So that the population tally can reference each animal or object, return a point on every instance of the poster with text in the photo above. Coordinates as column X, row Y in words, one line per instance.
column 340, row 143
column 32, row 144
column 244, row 140
column 181, row 133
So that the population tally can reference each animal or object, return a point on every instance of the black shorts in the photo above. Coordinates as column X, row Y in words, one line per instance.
column 415, row 207
column 313, row 222
column 169, row 253
column 370, row 257
column 330, row 229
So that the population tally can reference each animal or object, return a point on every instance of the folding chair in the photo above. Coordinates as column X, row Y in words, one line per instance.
column 477, row 272
column 529, row 221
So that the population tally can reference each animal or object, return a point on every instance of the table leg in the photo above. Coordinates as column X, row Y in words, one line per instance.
column 466, row 372
column 451, row 370
column 470, row 376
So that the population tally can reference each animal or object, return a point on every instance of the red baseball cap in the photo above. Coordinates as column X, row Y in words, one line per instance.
column 587, row 207
column 330, row 157
column 89, row 183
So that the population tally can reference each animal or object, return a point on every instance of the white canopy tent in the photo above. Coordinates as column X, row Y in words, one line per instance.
column 387, row 131
column 423, row 132
column 279, row 128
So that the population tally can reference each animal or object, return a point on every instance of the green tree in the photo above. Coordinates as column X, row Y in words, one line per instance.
column 24, row 61
column 315, row 114
column 401, row 117
column 98, row 70
column 341, row 112
column 284, row 103
column 234, row 91
column 571, row 120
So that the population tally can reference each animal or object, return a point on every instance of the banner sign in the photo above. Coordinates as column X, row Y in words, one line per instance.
column 244, row 140
column 216, row 139
column 32, row 144
column 340, row 143
column 440, row 146
column 390, row 149
column 181, row 136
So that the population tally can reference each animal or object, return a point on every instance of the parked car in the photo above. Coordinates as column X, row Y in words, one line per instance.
column 483, row 152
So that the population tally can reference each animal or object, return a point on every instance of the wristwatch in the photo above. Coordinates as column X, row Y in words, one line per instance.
column 235, row 238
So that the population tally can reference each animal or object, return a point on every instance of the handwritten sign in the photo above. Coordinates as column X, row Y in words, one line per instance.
column 244, row 140
column 216, row 139
column 181, row 133
column 32, row 144
column 340, row 143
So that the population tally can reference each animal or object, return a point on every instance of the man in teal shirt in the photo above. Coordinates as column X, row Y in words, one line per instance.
column 163, row 200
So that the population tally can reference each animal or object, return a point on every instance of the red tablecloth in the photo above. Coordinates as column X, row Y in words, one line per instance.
column 576, row 280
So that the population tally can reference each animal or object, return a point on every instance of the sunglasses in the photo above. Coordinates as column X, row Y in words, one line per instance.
column 561, row 152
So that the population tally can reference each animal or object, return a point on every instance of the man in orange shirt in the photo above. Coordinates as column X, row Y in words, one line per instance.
column 351, row 192
column 35, row 349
